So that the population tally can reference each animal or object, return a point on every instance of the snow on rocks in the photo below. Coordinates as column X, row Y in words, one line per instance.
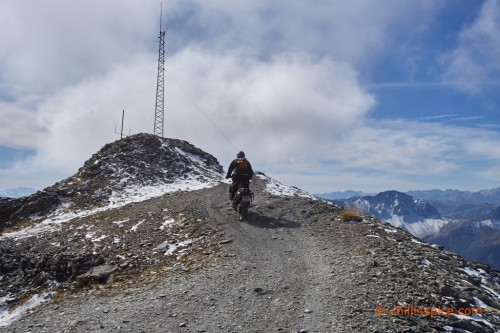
column 10, row 312
column 276, row 188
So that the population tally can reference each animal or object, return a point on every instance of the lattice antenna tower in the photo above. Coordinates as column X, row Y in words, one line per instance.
column 160, row 84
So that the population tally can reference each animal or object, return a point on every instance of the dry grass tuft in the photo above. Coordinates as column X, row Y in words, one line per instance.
column 349, row 214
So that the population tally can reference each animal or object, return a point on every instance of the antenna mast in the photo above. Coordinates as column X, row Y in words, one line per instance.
column 160, row 91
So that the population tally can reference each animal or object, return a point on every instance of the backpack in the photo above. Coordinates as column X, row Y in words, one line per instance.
column 242, row 167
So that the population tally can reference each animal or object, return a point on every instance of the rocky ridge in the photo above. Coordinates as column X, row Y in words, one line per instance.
column 181, row 262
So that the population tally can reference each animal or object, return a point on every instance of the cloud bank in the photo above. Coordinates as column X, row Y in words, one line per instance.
column 284, row 82
column 473, row 65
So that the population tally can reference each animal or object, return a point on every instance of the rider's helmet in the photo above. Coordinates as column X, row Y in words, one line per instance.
column 240, row 154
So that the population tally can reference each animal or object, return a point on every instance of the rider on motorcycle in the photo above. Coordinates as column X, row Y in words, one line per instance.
column 240, row 170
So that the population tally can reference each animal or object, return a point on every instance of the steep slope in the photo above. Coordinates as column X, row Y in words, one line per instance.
column 478, row 241
column 181, row 262
column 494, row 214
column 476, row 232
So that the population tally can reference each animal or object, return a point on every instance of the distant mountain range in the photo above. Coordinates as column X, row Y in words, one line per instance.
column 464, row 222
column 343, row 195
column 16, row 192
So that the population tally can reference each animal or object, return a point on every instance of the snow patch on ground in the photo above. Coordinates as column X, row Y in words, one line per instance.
column 491, row 291
column 167, row 223
column 134, row 228
column 425, row 262
column 475, row 317
column 391, row 230
column 484, row 277
column 177, row 247
column 131, row 194
column 276, row 188
column 417, row 241
column 479, row 304
column 11, row 312
column 139, row 193
column 473, row 272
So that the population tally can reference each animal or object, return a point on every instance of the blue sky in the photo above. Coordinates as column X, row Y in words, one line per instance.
column 324, row 95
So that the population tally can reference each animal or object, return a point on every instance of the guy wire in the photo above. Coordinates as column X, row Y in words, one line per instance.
column 201, row 110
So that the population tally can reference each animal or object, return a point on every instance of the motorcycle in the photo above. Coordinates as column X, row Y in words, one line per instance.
column 241, row 200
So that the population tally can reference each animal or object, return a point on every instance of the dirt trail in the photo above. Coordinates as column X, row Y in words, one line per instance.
column 277, row 274
column 272, row 278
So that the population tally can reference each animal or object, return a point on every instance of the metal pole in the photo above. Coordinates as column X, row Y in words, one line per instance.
column 121, row 132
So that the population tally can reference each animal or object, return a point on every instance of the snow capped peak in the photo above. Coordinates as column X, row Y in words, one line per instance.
column 145, row 160
column 388, row 204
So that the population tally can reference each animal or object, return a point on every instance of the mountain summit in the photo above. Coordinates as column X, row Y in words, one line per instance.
column 127, row 170
column 143, row 239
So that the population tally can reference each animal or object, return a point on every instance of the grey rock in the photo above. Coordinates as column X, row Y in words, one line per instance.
column 99, row 274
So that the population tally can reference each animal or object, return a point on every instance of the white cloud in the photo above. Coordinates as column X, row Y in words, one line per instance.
column 409, row 147
column 399, row 147
column 81, row 118
column 352, row 31
column 47, row 45
column 276, row 108
column 380, row 155
column 484, row 145
column 490, row 173
column 473, row 64
column 278, row 80
column 18, row 127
